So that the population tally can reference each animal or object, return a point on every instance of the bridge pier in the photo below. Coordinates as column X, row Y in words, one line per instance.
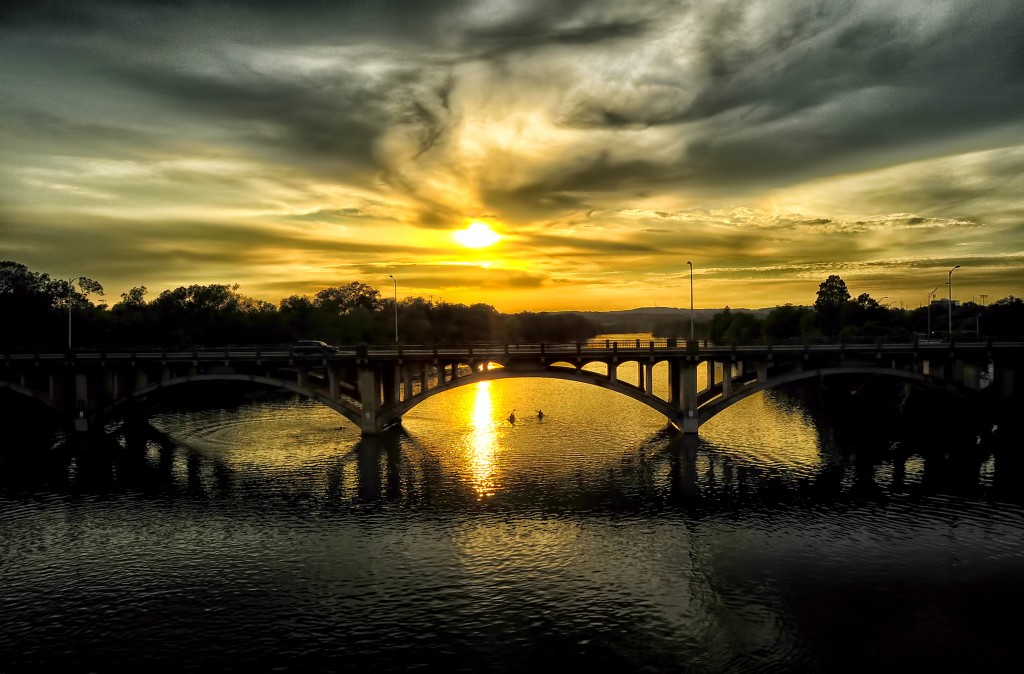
column 369, row 395
column 82, row 406
column 688, row 397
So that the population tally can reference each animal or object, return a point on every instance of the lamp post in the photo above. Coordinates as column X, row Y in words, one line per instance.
column 396, row 306
column 691, row 299
column 950, row 283
column 87, row 286
column 931, row 296
column 71, row 289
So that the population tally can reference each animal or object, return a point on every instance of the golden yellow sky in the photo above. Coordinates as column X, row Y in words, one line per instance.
column 605, row 144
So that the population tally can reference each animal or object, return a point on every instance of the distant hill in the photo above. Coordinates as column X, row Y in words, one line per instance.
column 644, row 319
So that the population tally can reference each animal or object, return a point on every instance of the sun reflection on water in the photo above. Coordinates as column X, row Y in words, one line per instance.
column 483, row 441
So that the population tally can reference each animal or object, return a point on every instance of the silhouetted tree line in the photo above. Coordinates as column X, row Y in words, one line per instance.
column 34, row 309
column 835, row 314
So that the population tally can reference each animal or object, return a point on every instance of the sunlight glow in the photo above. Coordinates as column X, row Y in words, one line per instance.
column 477, row 235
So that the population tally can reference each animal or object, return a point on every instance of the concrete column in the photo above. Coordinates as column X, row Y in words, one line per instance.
column 1003, row 380
column 110, row 387
column 392, row 383
column 301, row 375
column 958, row 371
column 640, row 375
column 613, row 368
column 407, row 381
column 423, row 378
column 689, row 390
column 333, row 373
column 650, row 378
column 762, row 372
column 971, row 376
column 141, row 379
column 82, row 405
column 688, row 398
column 369, row 395
column 726, row 380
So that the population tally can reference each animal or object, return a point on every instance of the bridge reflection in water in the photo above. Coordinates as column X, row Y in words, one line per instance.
column 771, row 448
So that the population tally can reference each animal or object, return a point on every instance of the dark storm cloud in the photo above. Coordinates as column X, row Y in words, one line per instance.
column 821, row 84
column 194, row 62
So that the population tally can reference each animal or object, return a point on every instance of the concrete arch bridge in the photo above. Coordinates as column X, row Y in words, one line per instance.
column 374, row 386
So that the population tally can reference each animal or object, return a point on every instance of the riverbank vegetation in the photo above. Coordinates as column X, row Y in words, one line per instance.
column 837, row 315
column 35, row 309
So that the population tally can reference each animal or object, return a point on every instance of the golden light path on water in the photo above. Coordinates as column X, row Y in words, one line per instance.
column 483, row 441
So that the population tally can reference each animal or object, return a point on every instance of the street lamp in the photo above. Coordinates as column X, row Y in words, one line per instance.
column 691, row 299
column 950, row 283
column 88, row 286
column 71, row 289
column 931, row 296
column 396, row 306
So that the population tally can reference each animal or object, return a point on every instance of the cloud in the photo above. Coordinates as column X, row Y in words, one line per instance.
column 285, row 143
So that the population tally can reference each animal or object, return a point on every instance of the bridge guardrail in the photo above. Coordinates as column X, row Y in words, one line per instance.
column 278, row 351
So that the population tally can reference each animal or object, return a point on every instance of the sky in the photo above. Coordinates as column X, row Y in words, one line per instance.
column 290, row 147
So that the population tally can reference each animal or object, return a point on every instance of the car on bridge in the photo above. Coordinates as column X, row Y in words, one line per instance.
column 312, row 347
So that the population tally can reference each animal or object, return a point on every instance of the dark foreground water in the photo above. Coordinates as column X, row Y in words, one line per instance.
column 268, row 536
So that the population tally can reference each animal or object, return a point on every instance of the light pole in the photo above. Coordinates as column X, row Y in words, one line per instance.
column 71, row 290
column 396, row 306
column 691, row 299
column 931, row 296
column 950, row 283
column 88, row 286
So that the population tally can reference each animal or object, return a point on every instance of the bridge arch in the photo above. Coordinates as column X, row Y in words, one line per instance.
column 44, row 400
column 394, row 413
column 346, row 409
column 717, row 404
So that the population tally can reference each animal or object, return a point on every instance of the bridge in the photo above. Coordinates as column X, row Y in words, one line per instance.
column 373, row 386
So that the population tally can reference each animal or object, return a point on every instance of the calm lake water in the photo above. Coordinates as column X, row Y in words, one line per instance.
column 797, row 535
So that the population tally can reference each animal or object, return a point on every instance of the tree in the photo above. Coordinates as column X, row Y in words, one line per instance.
column 832, row 292
column 786, row 321
column 832, row 297
column 134, row 298
column 341, row 300
column 1004, row 318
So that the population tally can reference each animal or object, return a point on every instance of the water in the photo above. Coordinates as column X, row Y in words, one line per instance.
column 269, row 536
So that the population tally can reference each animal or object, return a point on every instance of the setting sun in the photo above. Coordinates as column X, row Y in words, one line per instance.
column 477, row 235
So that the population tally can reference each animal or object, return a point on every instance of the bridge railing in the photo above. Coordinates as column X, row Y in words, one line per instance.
column 492, row 349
